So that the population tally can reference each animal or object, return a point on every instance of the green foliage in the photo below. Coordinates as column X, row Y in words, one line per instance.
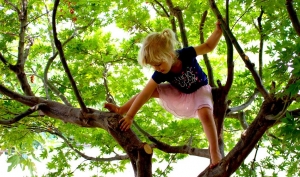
column 95, row 48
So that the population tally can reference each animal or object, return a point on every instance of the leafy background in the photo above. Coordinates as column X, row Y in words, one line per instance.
column 100, row 57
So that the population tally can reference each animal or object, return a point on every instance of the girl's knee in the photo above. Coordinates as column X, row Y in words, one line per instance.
column 205, row 113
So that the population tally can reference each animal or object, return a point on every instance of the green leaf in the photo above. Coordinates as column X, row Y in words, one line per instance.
column 14, row 160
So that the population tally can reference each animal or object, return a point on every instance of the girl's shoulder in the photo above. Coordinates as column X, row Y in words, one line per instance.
column 186, row 53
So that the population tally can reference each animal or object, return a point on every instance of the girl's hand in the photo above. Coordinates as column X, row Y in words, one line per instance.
column 218, row 25
column 126, row 123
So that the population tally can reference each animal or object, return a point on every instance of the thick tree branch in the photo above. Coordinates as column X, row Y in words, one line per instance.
column 248, row 141
column 242, row 54
column 63, row 60
column 58, row 110
column 220, row 93
column 132, row 145
column 22, row 51
column 293, row 16
column 23, row 115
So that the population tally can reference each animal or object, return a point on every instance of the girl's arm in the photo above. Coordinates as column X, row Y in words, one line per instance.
column 139, row 101
column 211, row 42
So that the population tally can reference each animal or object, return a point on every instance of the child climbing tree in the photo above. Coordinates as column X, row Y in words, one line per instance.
column 60, row 63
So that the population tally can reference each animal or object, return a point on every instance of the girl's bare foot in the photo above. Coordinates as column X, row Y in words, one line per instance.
column 112, row 108
column 215, row 159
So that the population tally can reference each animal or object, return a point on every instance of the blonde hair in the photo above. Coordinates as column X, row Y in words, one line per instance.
column 158, row 47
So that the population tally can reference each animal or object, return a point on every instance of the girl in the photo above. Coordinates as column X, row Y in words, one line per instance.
column 187, row 94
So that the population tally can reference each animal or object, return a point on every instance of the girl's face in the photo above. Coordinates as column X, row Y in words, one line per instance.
column 162, row 67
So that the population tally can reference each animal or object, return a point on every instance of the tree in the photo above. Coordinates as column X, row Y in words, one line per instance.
column 58, row 67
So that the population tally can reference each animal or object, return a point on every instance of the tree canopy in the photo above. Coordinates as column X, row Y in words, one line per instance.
column 62, row 60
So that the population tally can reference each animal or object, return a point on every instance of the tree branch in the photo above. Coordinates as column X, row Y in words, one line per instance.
column 134, row 148
column 63, row 60
column 22, row 115
column 171, row 18
column 51, row 59
column 242, row 54
column 55, row 131
column 241, row 117
column 4, row 61
column 280, row 115
column 293, row 16
column 177, row 12
column 186, row 149
column 261, row 44
column 13, row 6
column 230, row 65
column 244, row 146
column 205, row 56
column 53, row 88
column 22, row 51
column 285, row 101
column 246, row 104
column 109, row 97
column 254, row 159
column 162, row 7
column 60, row 111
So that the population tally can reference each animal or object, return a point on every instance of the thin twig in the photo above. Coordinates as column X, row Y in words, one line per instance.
column 22, row 115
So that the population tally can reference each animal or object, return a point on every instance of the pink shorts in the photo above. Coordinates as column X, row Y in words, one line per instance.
column 184, row 105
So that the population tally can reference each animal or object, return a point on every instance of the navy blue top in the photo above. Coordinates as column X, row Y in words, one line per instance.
column 190, row 78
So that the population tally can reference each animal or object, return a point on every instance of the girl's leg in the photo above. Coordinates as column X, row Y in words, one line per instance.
column 123, row 109
column 206, row 117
